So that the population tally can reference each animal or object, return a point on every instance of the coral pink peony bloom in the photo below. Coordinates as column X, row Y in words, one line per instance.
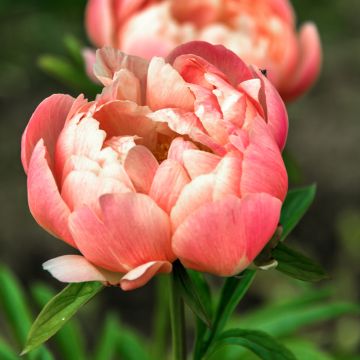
column 176, row 158
column 262, row 32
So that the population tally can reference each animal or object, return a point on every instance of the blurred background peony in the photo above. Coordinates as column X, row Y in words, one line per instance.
column 261, row 32
column 324, row 139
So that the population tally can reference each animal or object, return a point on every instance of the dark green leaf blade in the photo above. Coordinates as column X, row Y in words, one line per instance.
column 232, row 292
column 69, row 339
column 190, row 293
column 58, row 311
column 259, row 342
column 297, row 265
column 296, row 204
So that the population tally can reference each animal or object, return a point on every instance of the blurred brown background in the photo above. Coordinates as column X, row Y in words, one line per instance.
column 324, row 139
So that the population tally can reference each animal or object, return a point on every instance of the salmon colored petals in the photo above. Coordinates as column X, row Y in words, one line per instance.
column 177, row 158
column 109, row 61
column 263, row 167
column 166, row 88
column 262, row 32
column 309, row 63
column 46, row 123
column 142, row 274
column 75, row 268
column 132, row 231
column 223, row 237
column 222, row 58
column 168, row 183
column 45, row 202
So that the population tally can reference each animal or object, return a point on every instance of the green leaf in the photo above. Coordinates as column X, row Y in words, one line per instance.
column 296, row 204
column 68, row 340
column 119, row 342
column 306, row 350
column 259, row 342
column 296, row 265
column 6, row 353
column 190, row 293
column 205, row 294
column 74, row 48
column 286, row 319
column 13, row 301
column 58, row 311
column 232, row 292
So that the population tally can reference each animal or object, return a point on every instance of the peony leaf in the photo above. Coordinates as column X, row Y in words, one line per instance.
column 69, row 339
column 259, row 342
column 297, row 265
column 296, row 204
column 232, row 292
column 190, row 293
column 58, row 311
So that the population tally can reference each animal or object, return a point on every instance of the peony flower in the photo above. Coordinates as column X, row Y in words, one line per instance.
column 176, row 158
column 261, row 32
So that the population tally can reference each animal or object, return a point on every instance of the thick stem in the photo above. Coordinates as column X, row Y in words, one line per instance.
column 177, row 315
column 161, row 319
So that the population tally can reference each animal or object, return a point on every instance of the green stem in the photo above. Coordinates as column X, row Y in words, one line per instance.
column 161, row 320
column 177, row 315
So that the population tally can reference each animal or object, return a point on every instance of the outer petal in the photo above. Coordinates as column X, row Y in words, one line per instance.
column 133, row 231
column 100, row 21
column 223, row 238
column 274, row 109
column 263, row 167
column 46, row 123
column 193, row 196
column 309, row 63
column 45, row 202
column 75, row 268
column 142, row 274
column 225, row 60
column 168, row 183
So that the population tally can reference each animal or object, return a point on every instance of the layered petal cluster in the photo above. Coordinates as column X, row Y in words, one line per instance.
column 176, row 158
column 261, row 32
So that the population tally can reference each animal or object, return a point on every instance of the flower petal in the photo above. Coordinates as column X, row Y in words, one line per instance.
column 99, row 21
column 76, row 268
column 45, row 202
column 133, row 230
column 309, row 63
column 166, row 88
column 263, row 167
column 177, row 148
column 223, row 237
column 198, row 162
column 142, row 274
column 46, row 123
column 141, row 166
column 194, row 195
column 109, row 61
column 274, row 109
column 168, row 183
column 223, row 59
